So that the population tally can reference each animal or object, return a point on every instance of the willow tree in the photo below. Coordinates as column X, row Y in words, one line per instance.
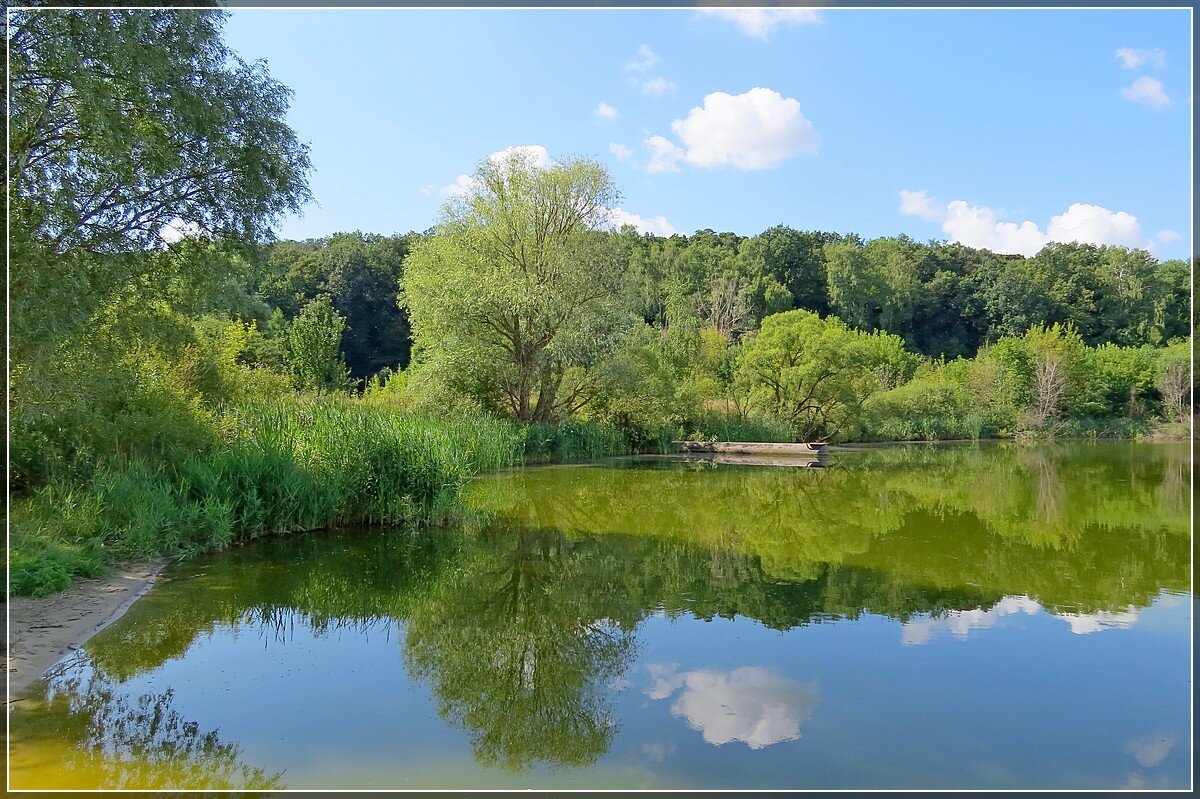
column 520, row 295
column 815, row 372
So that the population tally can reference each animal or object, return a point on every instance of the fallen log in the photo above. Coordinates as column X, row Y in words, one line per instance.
column 802, row 449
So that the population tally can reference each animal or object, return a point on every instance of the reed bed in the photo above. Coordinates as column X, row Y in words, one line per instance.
column 281, row 467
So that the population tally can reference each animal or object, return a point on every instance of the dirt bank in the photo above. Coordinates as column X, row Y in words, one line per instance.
column 43, row 630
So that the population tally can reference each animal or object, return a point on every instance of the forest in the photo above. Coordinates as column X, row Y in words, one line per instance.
column 181, row 381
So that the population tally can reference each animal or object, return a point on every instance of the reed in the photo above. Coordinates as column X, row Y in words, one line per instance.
column 282, row 467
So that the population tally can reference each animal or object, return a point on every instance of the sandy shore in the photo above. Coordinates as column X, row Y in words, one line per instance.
column 43, row 630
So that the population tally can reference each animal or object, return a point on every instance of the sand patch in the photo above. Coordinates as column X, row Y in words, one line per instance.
column 44, row 630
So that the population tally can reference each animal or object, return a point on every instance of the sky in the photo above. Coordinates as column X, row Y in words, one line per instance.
column 1003, row 129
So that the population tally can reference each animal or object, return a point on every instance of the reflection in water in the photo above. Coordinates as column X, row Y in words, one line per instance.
column 517, row 647
column 122, row 741
column 523, row 624
column 960, row 623
column 750, row 704
column 1151, row 750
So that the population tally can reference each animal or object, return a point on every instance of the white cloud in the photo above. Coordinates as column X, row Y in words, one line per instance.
column 665, row 155
column 761, row 22
column 644, row 60
column 1150, row 751
column 428, row 190
column 177, row 230
column 748, row 704
column 658, row 86
column 620, row 151
column 606, row 111
column 918, row 203
column 1147, row 91
column 658, row 225
column 1168, row 236
column 1132, row 58
column 534, row 155
column 755, row 130
column 461, row 186
column 980, row 226
column 1092, row 224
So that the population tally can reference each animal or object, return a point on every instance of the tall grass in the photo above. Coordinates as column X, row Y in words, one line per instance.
column 282, row 467
column 572, row 440
column 716, row 426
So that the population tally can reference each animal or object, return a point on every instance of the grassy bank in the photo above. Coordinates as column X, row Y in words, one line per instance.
column 279, row 468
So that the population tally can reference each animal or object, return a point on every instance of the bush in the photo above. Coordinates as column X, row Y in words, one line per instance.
column 924, row 409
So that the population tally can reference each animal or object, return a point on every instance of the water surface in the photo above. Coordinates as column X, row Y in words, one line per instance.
column 988, row 616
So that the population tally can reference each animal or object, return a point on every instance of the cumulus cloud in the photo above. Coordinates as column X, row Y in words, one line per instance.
column 1147, row 91
column 645, row 59
column 980, row 226
column 665, row 155
column 1092, row 224
column 1150, row 751
column 917, row 203
column 657, row 225
column 620, row 151
column 761, row 22
column 658, row 86
column 535, row 155
column 606, row 111
column 749, row 704
column 756, row 130
column 1168, row 236
column 1132, row 58
column 461, row 186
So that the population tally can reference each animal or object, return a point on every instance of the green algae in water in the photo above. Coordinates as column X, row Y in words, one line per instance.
column 987, row 616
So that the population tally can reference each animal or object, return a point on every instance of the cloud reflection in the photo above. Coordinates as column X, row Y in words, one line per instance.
column 960, row 623
column 750, row 704
column 1151, row 750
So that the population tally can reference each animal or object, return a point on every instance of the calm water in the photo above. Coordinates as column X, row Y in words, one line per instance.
column 959, row 617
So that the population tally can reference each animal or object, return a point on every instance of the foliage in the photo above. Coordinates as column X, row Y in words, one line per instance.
column 313, row 346
column 815, row 372
column 361, row 274
column 516, row 297
column 125, row 121
column 279, row 467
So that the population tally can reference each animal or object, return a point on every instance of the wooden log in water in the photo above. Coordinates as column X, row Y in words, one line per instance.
column 813, row 461
column 804, row 449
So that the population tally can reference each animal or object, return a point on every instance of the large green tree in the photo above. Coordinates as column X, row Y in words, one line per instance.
column 815, row 372
column 518, row 294
column 145, row 157
column 128, row 127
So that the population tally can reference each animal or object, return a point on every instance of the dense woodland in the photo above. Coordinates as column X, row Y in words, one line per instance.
column 182, row 381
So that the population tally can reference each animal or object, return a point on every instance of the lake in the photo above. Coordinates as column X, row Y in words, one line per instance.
column 958, row 616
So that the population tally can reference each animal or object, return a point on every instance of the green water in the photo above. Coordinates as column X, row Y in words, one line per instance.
column 988, row 616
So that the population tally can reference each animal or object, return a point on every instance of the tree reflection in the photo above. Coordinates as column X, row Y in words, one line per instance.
column 521, row 620
column 519, row 647
column 123, row 741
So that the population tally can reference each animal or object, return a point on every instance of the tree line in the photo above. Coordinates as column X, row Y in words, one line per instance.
column 524, row 303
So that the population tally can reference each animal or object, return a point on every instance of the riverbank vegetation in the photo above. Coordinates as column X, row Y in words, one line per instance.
column 181, row 381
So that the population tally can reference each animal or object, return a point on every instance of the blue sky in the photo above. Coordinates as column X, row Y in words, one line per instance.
column 1004, row 128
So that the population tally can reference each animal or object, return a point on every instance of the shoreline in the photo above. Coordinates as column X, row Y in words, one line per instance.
column 42, row 631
